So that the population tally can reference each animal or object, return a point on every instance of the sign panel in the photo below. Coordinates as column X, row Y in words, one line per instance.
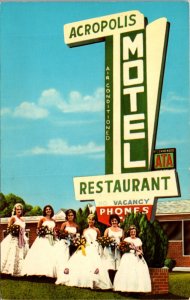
column 135, row 54
column 164, row 159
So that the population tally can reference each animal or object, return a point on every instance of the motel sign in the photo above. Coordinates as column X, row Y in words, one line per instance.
column 135, row 54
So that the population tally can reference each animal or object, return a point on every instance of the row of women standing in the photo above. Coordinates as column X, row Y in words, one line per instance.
column 90, row 266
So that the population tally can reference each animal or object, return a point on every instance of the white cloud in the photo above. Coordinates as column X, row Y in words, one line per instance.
column 5, row 111
column 175, row 110
column 98, row 156
column 30, row 110
column 77, row 122
column 51, row 98
column 165, row 143
column 61, row 147
column 174, row 104
column 76, row 102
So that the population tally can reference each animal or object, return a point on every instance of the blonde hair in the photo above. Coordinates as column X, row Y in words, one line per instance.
column 91, row 216
column 14, row 208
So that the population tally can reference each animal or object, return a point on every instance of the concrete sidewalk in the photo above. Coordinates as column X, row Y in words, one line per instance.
column 181, row 269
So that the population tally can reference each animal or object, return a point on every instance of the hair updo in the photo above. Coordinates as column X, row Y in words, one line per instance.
column 70, row 211
column 114, row 216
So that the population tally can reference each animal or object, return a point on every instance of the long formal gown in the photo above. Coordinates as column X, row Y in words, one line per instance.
column 82, row 266
column 63, row 253
column 133, row 274
column 14, row 250
column 40, row 259
column 112, row 257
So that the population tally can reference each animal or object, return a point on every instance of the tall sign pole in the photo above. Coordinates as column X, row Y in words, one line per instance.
column 135, row 54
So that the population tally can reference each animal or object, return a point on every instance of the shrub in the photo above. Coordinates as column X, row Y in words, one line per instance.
column 155, row 241
column 169, row 263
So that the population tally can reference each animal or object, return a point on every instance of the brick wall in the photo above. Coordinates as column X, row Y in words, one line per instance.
column 30, row 228
column 159, row 280
column 2, row 227
column 175, row 251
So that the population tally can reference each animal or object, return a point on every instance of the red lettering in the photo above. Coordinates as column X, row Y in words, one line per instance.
column 169, row 161
column 163, row 160
column 158, row 163
column 104, row 212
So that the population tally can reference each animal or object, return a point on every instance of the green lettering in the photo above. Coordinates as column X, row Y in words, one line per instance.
column 108, row 184
column 87, row 29
column 165, row 181
column 155, row 183
column 73, row 33
column 135, row 185
column 83, row 188
column 117, row 186
column 91, row 187
column 145, row 184
column 99, row 187
column 126, row 185
column 78, row 31
column 133, row 19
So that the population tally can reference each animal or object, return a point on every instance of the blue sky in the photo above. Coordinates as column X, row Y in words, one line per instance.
column 52, row 98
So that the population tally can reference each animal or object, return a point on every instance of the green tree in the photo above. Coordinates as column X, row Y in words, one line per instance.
column 7, row 203
column 27, row 209
column 81, row 218
column 155, row 241
column 82, row 215
column 35, row 211
column 3, row 202
column 102, row 227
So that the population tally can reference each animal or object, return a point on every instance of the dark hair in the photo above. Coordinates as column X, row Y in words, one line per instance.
column 114, row 216
column 44, row 210
column 70, row 211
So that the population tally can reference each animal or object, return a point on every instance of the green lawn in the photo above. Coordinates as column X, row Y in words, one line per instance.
column 179, row 284
column 43, row 288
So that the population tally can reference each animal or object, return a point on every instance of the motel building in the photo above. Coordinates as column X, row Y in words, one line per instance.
column 174, row 217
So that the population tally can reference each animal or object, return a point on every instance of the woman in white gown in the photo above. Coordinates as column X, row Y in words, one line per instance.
column 111, row 255
column 85, row 268
column 40, row 259
column 14, row 246
column 133, row 273
column 63, row 247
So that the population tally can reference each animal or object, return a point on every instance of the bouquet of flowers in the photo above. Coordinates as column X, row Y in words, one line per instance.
column 138, row 252
column 107, row 241
column 44, row 230
column 124, row 247
column 13, row 230
column 79, row 243
column 60, row 234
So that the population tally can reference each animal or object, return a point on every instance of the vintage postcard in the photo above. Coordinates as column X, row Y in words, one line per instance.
column 95, row 106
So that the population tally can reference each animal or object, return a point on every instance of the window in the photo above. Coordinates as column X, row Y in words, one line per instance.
column 186, row 237
column 173, row 229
